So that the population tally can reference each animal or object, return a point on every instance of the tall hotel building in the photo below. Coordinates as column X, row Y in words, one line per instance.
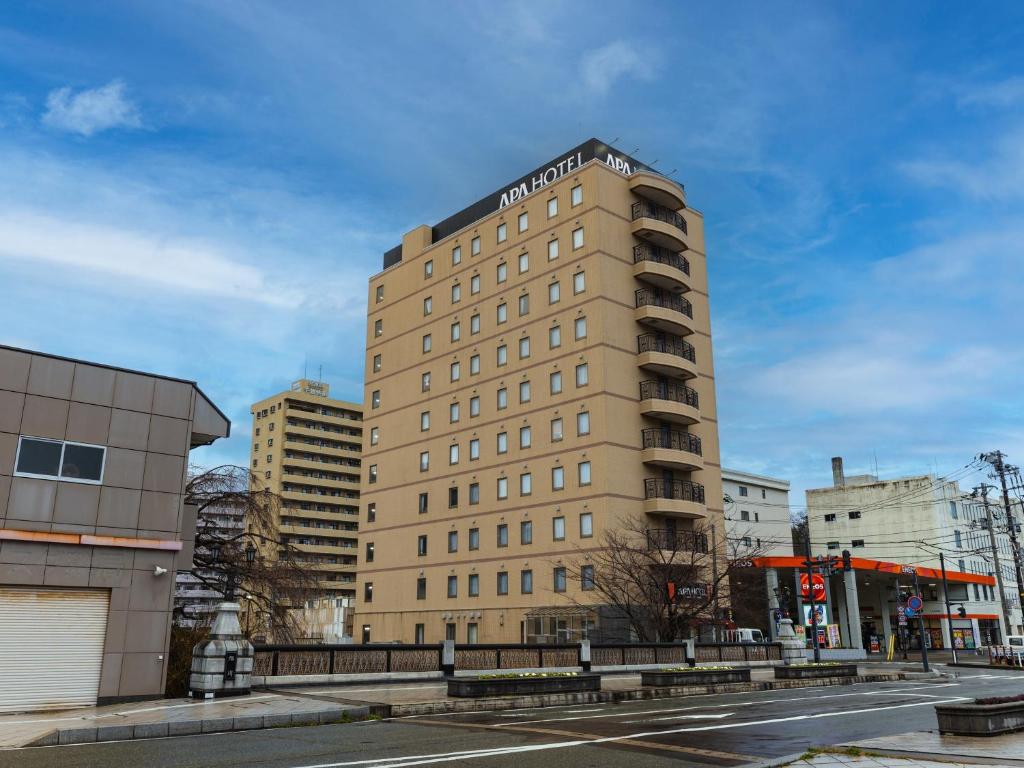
column 539, row 369
column 306, row 448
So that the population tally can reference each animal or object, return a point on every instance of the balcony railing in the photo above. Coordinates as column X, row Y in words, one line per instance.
column 680, row 490
column 648, row 210
column 675, row 439
column 677, row 541
column 645, row 297
column 667, row 390
column 670, row 345
column 661, row 256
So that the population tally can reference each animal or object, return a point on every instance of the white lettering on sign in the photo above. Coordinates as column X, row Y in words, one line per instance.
column 542, row 179
column 618, row 164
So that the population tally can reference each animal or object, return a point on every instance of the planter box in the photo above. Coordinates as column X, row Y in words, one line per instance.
column 815, row 673
column 521, row 686
column 697, row 677
column 980, row 719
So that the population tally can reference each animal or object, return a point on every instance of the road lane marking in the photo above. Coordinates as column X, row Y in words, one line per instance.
column 121, row 713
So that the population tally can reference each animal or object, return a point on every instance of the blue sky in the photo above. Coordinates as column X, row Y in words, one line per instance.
column 861, row 170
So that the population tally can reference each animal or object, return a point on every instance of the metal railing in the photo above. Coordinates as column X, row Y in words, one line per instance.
column 670, row 345
column 677, row 440
column 645, row 252
column 669, row 390
column 738, row 652
column 677, row 541
column 648, row 210
column 646, row 297
column 682, row 490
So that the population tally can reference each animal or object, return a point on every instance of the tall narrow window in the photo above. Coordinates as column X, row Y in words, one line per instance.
column 526, row 532
column 577, row 194
column 428, row 305
column 557, row 478
column 428, row 268
column 524, row 221
column 453, row 454
column 524, row 262
column 559, row 581
column 558, row 528
column 424, row 421
column 502, row 271
column 502, row 313
column 474, row 246
column 503, row 442
column 502, row 232
column 474, row 284
column 424, row 461
column 524, row 304
column 526, row 582
column 456, row 293
column 474, row 324
column 556, row 429
column 455, row 371
column 453, row 412
column 474, row 585
column 584, row 472
column 456, row 333
column 552, row 207
column 525, row 484
column 502, row 354
column 554, row 336
column 524, row 347
column 378, row 327
column 502, row 531
column 474, row 405
column 554, row 292
column 457, row 255
column 581, row 328
column 556, row 382
column 474, row 365
column 380, row 293
column 579, row 282
column 582, row 375
column 502, row 487
column 427, row 343
column 502, row 582
column 586, row 525
column 525, row 437
column 583, row 423
column 474, row 449
column 524, row 392
column 502, row 398
column 577, row 238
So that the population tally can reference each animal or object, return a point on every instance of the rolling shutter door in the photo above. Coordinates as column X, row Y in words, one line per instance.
column 51, row 647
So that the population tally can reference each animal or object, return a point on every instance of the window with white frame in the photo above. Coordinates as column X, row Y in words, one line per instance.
column 502, row 232
column 577, row 238
column 552, row 207
column 60, row 460
column 524, row 221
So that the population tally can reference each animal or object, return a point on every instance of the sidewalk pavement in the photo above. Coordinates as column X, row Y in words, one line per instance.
column 845, row 760
column 1006, row 750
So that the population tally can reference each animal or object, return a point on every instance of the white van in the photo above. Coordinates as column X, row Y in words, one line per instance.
column 744, row 635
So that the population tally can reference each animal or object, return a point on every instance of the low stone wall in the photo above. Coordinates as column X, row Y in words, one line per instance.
column 966, row 719
column 696, row 677
column 470, row 687
column 798, row 672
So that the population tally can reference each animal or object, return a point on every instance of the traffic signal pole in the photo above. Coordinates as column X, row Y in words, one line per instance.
column 949, row 612
column 920, row 624
column 810, row 588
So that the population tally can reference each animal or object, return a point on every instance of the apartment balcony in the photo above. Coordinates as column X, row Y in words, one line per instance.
column 326, row 450
column 661, row 268
column 667, row 355
column 338, row 421
column 658, row 189
column 323, row 434
column 663, row 311
column 674, row 498
column 676, row 541
column 671, row 448
column 669, row 401
column 659, row 226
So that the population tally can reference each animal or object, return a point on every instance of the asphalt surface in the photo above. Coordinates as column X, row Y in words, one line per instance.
column 714, row 730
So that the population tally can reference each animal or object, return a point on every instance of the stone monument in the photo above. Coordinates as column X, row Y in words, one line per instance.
column 792, row 646
column 222, row 663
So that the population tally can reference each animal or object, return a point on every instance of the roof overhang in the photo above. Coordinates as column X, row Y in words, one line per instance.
column 881, row 566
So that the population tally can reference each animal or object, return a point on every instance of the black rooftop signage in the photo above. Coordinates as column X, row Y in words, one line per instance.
column 531, row 182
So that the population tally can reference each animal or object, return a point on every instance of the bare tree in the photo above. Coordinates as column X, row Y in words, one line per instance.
column 664, row 584
column 254, row 562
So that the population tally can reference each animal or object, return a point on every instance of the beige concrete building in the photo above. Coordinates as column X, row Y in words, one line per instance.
column 306, row 448
column 93, row 526
column 539, row 368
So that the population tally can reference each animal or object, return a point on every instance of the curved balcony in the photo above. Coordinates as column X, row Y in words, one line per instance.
column 674, row 498
column 669, row 401
column 666, row 354
column 659, row 225
column 676, row 541
column 663, row 311
column 658, row 189
column 673, row 449
column 662, row 268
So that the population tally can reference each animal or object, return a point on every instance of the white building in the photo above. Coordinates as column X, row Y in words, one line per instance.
column 757, row 512
column 194, row 602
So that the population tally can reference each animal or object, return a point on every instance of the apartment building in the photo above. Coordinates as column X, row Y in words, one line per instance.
column 195, row 599
column 306, row 448
column 757, row 516
column 539, row 371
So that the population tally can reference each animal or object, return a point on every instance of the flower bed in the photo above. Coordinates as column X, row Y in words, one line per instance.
column 523, row 683
column 982, row 717
column 815, row 671
column 695, row 676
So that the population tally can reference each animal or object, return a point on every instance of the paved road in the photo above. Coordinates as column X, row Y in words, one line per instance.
column 715, row 730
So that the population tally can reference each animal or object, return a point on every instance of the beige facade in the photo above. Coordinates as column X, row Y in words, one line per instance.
column 535, row 376
column 306, row 448
column 93, row 525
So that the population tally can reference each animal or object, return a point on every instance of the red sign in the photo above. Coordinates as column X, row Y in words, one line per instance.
column 819, row 588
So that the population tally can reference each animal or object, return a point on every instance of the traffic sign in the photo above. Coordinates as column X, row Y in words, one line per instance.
column 902, row 613
column 915, row 603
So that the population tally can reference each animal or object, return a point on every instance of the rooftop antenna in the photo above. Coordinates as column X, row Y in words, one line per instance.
column 612, row 142
column 305, row 367
column 672, row 171
column 655, row 162
column 320, row 373
column 635, row 150
column 875, row 454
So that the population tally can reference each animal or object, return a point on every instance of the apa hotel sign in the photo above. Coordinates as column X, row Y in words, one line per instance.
column 566, row 164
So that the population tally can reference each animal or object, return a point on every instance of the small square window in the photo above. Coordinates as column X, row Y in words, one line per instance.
column 554, row 336
column 428, row 268
column 474, row 246
column 524, row 347
column 457, row 255
column 552, row 207
column 502, row 232
column 556, row 382
column 582, row 375
column 524, row 392
column 556, row 429
column 428, row 305
column 502, row 270
column 474, row 405
column 524, row 262
column 577, row 238
column 580, row 327
column 524, row 221
column 579, row 282
column 474, row 284
column 557, row 478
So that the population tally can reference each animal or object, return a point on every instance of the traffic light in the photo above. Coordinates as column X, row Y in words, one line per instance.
column 961, row 611
column 847, row 560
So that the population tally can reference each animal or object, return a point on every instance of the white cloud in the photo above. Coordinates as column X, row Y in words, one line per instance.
column 1005, row 93
column 92, row 110
column 601, row 67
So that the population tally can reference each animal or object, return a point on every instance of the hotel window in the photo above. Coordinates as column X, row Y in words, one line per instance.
column 552, row 249
column 474, row 493
column 586, row 525
column 502, row 354
column 453, row 586
column 371, row 512
column 524, row 304
column 453, row 541
column 554, row 292
column 474, row 284
column 474, row 538
column 502, row 582
column 472, row 633
column 474, row 588
column 577, row 194
column 559, row 581
column 474, row 246
column 378, row 327
column 376, row 364
column 374, row 435
column 583, row 471
column 502, row 270
column 454, row 368
column 524, row 262
column 453, row 454
column 587, row 577
column 453, row 412
column 428, row 305
column 502, row 399
column 375, row 399
column 427, row 343
column 502, row 313
column 581, row 328
column 474, row 405
column 367, row 598
column 582, row 375
column 524, row 347
column 456, row 331
column 453, row 497
column 558, row 528
column 474, row 449
column 526, row 582
column 474, row 365
column 502, row 538
column 503, row 442
column 556, row 430
column 373, row 473
column 59, row 460
column 456, row 293
column 524, row 221
column 556, row 382
column 474, row 324
column 421, row 545
column 502, row 232
column 557, row 478
column 424, row 421
column 524, row 391
column 423, row 503
column 579, row 282
column 424, row 461
column 525, row 437
column 428, row 268
column 552, row 207
column 526, row 532
column 380, row 293
column 502, row 487
column 554, row 336
column 577, row 238
column 457, row 255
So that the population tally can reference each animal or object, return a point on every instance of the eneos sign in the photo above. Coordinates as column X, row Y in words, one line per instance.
column 819, row 588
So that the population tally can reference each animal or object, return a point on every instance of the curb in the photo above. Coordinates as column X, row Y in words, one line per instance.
column 775, row 762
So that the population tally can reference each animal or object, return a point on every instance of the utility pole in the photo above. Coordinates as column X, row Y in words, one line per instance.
column 995, row 458
column 901, row 619
column 982, row 492
column 920, row 625
column 949, row 612
column 714, row 583
column 809, row 562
